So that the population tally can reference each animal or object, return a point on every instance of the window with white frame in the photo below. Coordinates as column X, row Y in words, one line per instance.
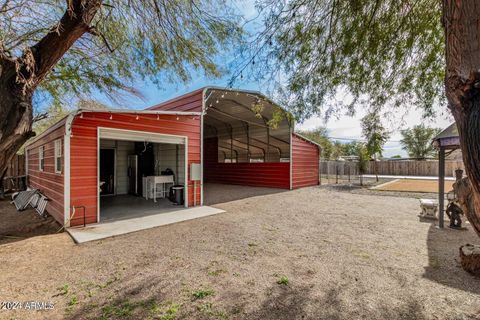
column 41, row 158
column 58, row 156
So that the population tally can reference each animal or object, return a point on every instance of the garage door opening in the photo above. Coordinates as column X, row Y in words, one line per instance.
column 140, row 177
column 247, row 141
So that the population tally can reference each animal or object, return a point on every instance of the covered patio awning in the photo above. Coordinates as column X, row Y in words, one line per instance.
column 447, row 140
column 248, row 125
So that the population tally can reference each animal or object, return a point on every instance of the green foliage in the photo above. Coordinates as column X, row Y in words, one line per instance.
column 202, row 293
column 140, row 40
column 166, row 311
column 333, row 150
column 53, row 114
column 320, row 135
column 123, row 310
column 64, row 289
column 381, row 52
column 283, row 281
column 363, row 157
column 375, row 134
column 208, row 309
column 73, row 300
column 417, row 141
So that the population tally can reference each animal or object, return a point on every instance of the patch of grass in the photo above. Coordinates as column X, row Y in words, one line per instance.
column 63, row 290
column 73, row 300
column 209, row 310
column 202, row 293
column 215, row 273
column 123, row 310
column 167, row 311
column 283, row 281
column 252, row 244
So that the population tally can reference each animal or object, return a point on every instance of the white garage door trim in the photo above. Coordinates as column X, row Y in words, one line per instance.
column 132, row 135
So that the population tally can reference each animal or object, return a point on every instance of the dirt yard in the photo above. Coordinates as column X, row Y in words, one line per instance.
column 16, row 226
column 312, row 253
column 414, row 185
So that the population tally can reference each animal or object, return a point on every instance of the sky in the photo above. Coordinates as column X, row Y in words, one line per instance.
column 346, row 128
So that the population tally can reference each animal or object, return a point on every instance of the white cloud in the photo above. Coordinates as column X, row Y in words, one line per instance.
column 346, row 127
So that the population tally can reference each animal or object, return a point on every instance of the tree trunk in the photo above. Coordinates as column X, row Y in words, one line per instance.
column 19, row 77
column 16, row 114
column 462, row 83
column 470, row 258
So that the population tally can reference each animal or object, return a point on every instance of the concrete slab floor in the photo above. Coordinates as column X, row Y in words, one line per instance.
column 119, row 227
column 129, row 206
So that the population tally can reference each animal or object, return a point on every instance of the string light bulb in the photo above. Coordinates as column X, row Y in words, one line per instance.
column 178, row 118
column 81, row 115
column 158, row 116
column 136, row 118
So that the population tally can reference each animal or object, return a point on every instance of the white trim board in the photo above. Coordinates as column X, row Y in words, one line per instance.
column 134, row 135
column 142, row 136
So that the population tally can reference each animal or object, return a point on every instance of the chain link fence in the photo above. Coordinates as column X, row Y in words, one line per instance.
column 343, row 172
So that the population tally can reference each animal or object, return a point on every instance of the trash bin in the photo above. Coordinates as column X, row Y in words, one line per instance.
column 176, row 194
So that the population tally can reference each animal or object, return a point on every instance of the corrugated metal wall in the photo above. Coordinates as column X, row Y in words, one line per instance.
column 84, row 151
column 191, row 102
column 167, row 158
column 268, row 174
column 305, row 163
column 47, row 181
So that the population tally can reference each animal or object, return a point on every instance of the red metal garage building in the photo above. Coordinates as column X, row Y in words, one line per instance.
column 240, row 144
column 236, row 136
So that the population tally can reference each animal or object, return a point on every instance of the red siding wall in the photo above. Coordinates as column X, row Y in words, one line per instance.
column 270, row 174
column 83, row 190
column 188, row 102
column 305, row 163
column 49, row 183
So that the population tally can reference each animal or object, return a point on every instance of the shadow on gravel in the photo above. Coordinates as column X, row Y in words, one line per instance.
column 443, row 261
column 215, row 193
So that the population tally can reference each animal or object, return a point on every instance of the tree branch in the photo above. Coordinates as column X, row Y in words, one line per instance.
column 39, row 59
column 95, row 32
column 40, row 116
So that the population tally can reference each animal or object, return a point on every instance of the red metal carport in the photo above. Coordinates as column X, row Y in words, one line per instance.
column 241, row 146
column 235, row 136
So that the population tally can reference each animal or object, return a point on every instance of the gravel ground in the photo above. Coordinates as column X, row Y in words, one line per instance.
column 313, row 253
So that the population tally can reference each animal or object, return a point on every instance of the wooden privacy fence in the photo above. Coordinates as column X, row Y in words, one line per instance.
column 14, row 178
column 392, row 168
column 413, row 167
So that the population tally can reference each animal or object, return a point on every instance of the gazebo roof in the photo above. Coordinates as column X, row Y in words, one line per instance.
column 448, row 138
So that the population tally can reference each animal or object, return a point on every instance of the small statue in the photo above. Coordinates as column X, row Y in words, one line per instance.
column 454, row 213
column 462, row 202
